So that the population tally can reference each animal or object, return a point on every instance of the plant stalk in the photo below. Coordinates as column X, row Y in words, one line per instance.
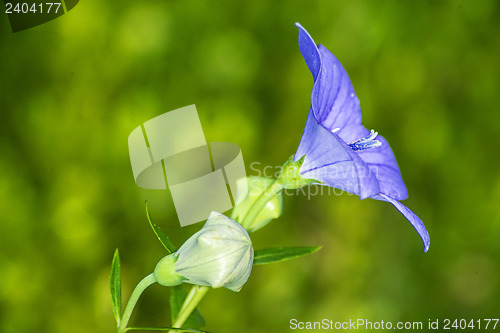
column 190, row 303
column 139, row 289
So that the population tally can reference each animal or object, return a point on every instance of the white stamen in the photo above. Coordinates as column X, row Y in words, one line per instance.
column 366, row 142
column 335, row 130
column 372, row 136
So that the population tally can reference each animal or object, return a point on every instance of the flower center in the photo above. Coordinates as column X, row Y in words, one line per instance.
column 366, row 143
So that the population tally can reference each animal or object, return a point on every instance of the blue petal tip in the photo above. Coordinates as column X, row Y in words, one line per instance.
column 426, row 247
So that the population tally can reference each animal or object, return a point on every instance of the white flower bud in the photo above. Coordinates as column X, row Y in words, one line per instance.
column 219, row 255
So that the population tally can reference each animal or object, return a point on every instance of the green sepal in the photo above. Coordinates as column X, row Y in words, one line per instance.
column 164, row 240
column 268, row 256
column 177, row 296
column 115, row 287
column 165, row 329
column 255, row 186
column 165, row 273
column 290, row 177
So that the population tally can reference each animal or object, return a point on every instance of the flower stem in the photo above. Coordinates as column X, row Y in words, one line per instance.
column 261, row 202
column 192, row 300
column 139, row 289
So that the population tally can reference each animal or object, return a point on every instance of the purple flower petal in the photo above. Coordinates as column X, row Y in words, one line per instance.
column 309, row 51
column 329, row 160
column 415, row 221
column 334, row 101
column 382, row 163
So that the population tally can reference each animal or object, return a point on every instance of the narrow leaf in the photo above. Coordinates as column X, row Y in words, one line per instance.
column 115, row 286
column 165, row 329
column 164, row 240
column 267, row 256
column 177, row 296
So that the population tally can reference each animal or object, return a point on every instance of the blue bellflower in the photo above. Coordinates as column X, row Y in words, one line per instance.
column 337, row 150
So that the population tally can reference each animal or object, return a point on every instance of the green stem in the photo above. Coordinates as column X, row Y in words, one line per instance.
column 139, row 289
column 190, row 303
column 261, row 202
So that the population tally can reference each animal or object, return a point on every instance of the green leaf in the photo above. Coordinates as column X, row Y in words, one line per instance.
column 165, row 329
column 177, row 296
column 115, row 286
column 267, row 256
column 164, row 240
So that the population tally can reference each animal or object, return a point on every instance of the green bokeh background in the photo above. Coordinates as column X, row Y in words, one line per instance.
column 71, row 90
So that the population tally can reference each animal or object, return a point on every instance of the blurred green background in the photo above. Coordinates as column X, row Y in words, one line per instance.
column 71, row 90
